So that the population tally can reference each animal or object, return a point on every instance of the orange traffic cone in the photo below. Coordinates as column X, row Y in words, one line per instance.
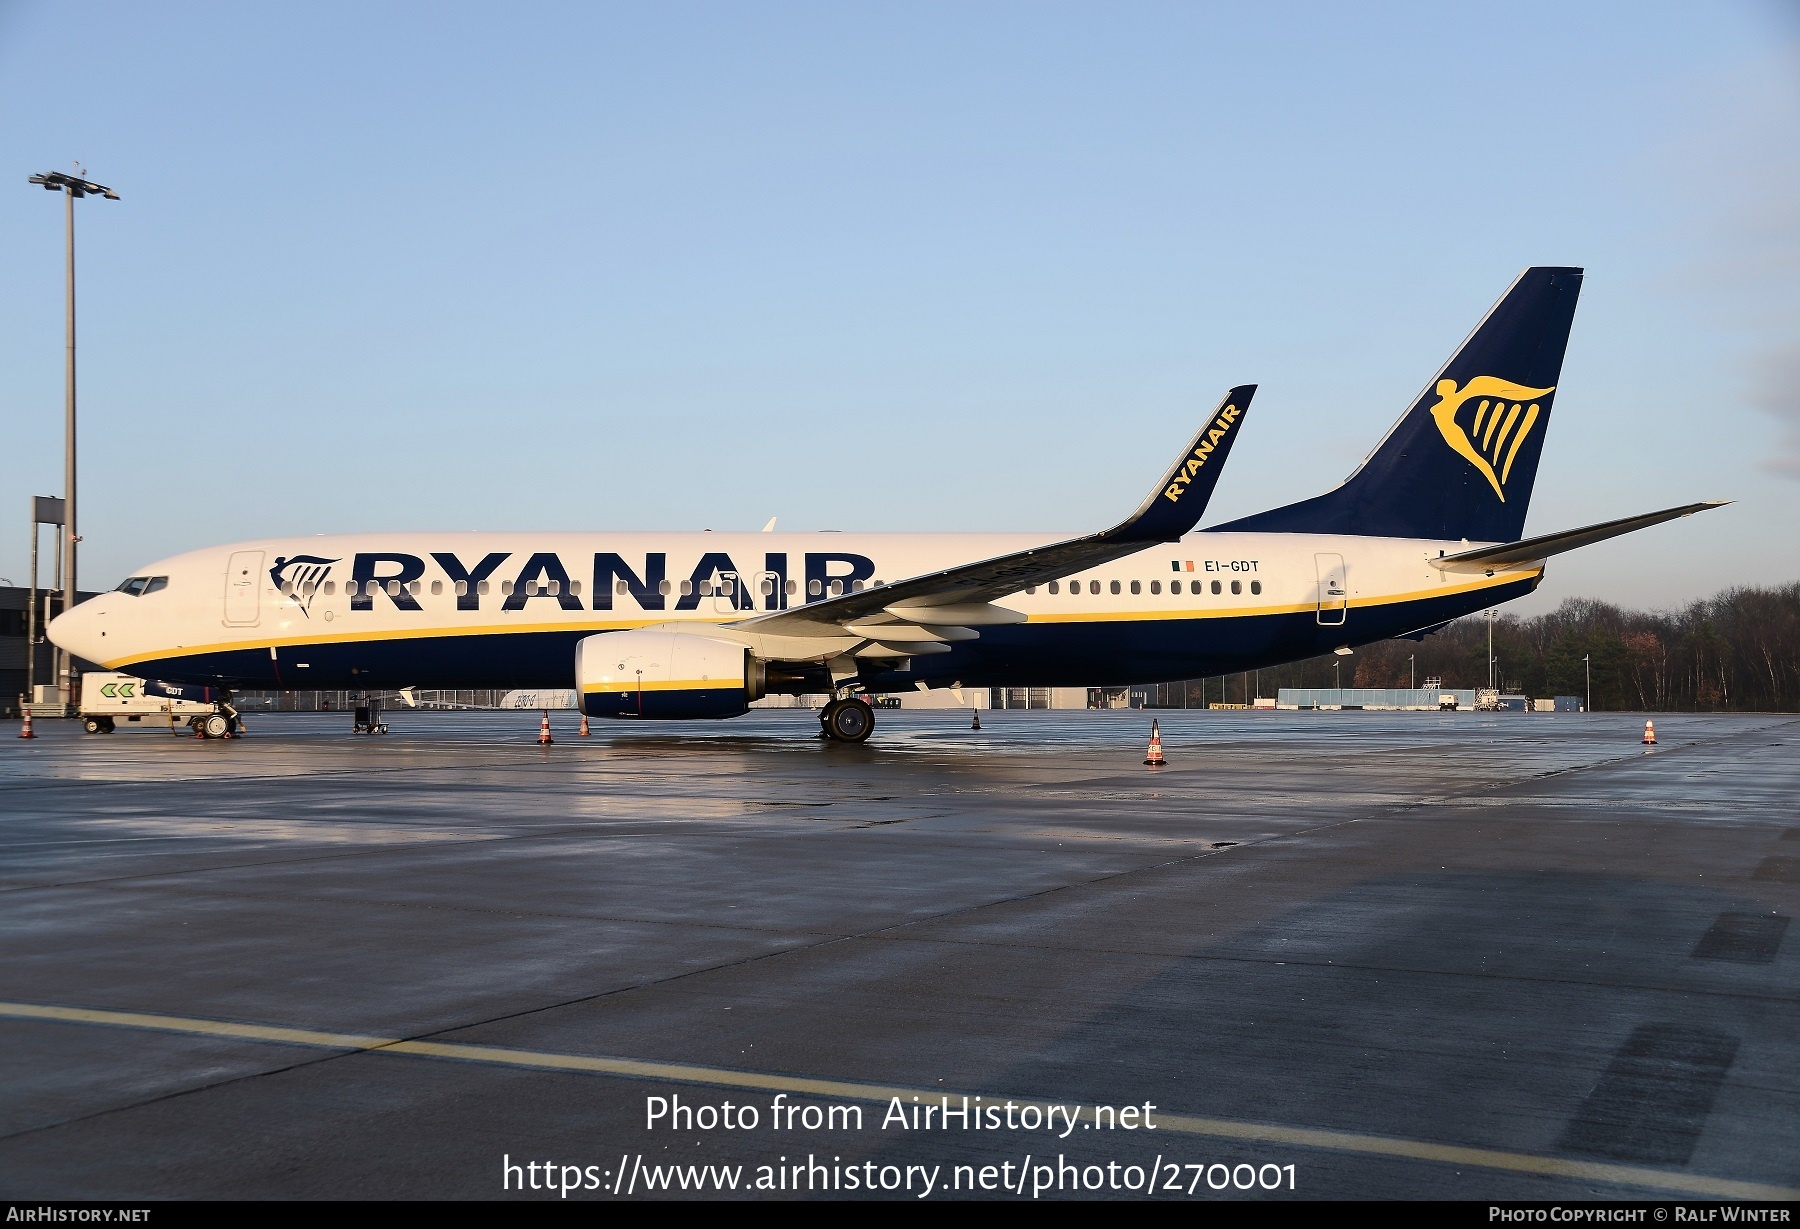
column 25, row 730
column 544, row 739
column 1649, row 733
column 1155, row 757
column 584, row 729
column 976, row 723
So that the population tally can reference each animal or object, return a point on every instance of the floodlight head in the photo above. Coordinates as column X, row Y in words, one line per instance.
column 56, row 181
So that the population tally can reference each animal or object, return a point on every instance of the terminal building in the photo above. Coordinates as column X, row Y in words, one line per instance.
column 15, row 610
column 1420, row 699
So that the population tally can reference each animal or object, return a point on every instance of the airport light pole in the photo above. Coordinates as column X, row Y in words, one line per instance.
column 71, row 187
column 1491, row 615
column 1412, row 668
column 1587, row 665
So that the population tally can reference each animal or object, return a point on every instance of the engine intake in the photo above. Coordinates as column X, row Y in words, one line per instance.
column 665, row 675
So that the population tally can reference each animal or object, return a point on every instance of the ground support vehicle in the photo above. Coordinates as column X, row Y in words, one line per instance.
column 110, row 699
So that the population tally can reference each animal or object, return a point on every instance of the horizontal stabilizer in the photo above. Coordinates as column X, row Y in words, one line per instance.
column 1530, row 550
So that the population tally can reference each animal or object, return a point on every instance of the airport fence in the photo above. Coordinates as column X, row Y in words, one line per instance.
column 344, row 701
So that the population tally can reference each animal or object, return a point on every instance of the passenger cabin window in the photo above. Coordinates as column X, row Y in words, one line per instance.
column 662, row 586
column 393, row 588
column 814, row 588
column 623, row 588
column 574, row 587
column 766, row 587
column 1256, row 586
column 837, row 588
column 706, row 588
column 481, row 588
column 1094, row 586
column 1216, row 587
column 1137, row 587
column 330, row 587
column 1030, row 589
column 1237, row 586
column 437, row 588
column 793, row 587
column 413, row 587
column 1055, row 587
column 506, row 588
column 1175, row 586
column 462, row 588
column 1115, row 586
column 687, row 587
column 1156, row 586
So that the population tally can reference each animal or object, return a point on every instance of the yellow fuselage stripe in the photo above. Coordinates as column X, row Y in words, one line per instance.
column 1702, row 1185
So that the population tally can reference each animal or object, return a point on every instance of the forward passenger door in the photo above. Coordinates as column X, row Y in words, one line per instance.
column 243, row 588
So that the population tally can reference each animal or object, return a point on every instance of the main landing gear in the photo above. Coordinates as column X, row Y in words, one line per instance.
column 849, row 720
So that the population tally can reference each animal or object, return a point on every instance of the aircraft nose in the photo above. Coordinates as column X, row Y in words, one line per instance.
column 81, row 629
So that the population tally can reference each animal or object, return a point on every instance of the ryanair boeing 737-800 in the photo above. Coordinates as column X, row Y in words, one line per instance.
column 698, row 625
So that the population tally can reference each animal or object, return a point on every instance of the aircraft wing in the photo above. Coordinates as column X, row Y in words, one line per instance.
column 1530, row 550
column 959, row 596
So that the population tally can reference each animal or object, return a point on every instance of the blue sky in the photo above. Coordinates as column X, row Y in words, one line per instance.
column 921, row 266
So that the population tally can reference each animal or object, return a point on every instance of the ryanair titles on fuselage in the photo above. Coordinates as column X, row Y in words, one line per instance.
column 773, row 581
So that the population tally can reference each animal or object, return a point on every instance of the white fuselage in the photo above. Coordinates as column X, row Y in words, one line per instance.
column 425, row 611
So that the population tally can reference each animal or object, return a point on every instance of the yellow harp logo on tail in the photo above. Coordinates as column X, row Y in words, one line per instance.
column 1502, row 415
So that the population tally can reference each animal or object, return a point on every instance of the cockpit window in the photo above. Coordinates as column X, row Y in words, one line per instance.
column 137, row 586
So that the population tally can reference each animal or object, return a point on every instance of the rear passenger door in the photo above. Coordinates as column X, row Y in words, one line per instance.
column 1334, row 590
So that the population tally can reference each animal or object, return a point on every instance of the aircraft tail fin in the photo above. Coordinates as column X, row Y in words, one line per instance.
column 1461, row 462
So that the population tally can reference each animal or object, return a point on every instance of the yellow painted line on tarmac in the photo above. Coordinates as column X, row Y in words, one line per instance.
column 1215, row 1128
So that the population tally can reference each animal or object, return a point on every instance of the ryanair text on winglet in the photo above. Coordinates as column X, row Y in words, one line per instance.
column 1222, row 425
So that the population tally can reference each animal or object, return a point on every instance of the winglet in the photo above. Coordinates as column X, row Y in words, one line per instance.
column 1179, row 500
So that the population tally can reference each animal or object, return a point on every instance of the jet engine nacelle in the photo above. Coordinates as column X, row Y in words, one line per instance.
column 663, row 674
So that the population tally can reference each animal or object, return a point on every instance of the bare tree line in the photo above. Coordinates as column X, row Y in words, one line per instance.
column 1738, row 651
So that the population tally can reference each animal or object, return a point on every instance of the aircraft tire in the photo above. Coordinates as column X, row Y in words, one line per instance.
column 849, row 721
column 215, row 726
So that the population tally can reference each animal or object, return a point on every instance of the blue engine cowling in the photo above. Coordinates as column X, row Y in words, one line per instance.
column 671, row 675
